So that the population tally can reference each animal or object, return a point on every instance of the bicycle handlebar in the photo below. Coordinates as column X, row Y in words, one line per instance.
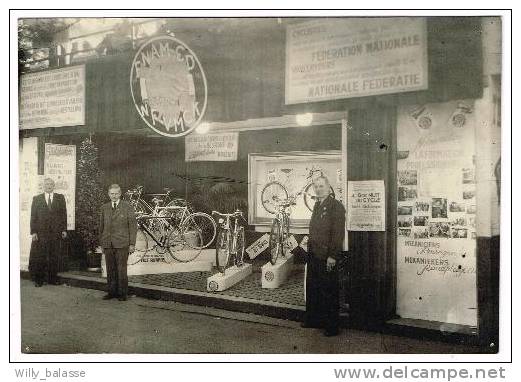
column 232, row 215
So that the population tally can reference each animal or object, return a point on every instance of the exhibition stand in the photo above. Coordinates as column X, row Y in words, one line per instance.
column 273, row 276
column 220, row 282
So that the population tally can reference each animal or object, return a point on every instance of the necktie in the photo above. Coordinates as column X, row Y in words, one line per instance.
column 114, row 205
column 49, row 201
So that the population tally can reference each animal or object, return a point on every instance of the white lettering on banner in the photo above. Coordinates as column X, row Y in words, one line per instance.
column 258, row 246
column 366, row 205
column 60, row 165
column 211, row 147
column 343, row 58
column 53, row 98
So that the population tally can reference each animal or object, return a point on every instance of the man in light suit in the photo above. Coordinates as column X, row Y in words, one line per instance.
column 118, row 229
column 326, row 239
column 48, row 227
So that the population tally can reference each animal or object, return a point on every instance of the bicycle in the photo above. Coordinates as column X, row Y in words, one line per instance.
column 175, row 208
column 279, row 232
column 167, row 236
column 275, row 191
column 230, row 241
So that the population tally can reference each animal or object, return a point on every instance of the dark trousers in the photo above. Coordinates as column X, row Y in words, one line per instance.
column 117, row 280
column 44, row 259
column 322, row 301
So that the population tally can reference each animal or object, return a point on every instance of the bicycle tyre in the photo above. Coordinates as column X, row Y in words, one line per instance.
column 140, row 249
column 206, row 226
column 239, row 247
column 285, row 234
column 222, row 251
column 275, row 244
column 188, row 254
column 308, row 200
column 269, row 194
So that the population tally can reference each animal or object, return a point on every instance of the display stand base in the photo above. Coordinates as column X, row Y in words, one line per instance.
column 273, row 276
column 232, row 276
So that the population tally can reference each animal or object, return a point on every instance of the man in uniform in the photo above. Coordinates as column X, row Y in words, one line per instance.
column 48, row 227
column 325, row 245
column 118, row 228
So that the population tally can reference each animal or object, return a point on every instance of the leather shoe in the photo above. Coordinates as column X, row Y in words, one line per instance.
column 122, row 298
column 307, row 325
column 108, row 297
column 331, row 333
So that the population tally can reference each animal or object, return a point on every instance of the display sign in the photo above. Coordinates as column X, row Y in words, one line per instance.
column 53, row 98
column 366, row 205
column 168, row 86
column 258, row 246
column 436, row 213
column 211, row 147
column 337, row 58
column 60, row 165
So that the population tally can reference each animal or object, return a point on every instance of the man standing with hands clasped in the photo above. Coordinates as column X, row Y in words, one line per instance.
column 48, row 227
column 117, row 229
column 325, row 245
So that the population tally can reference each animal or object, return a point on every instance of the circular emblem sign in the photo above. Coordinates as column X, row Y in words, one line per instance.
column 213, row 286
column 168, row 86
column 269, row 276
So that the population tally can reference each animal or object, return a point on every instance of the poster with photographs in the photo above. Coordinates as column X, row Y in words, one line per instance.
column 436, row 225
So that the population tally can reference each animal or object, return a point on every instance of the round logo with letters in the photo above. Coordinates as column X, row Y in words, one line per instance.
column 168, row 86
column 425, row 122
column 269, row 276
column 458, row 120
column 213, row 286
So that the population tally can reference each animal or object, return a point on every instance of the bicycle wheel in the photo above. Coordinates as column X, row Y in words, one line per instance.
column 222, row 250
column 285, row 234
column 204, row 224
column 271, row 194
column 310, row 196
column 239, row 247
column 177, row 245
column 275, row 243
column 140, row 249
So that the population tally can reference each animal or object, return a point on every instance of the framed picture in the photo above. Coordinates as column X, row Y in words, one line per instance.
column 292, row 172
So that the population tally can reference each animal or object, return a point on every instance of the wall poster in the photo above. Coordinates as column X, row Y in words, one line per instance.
column 334, row 58
column 436, row 213
column 211, row 147
column 53, row 98
column 366, row 205
column 60, row 165
column 291, row 170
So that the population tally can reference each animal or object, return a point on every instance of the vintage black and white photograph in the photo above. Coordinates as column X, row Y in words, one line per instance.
column 183, row 184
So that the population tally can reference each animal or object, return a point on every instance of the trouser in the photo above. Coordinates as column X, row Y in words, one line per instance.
column 44, row 259
column 322, row 301
column 116, row 261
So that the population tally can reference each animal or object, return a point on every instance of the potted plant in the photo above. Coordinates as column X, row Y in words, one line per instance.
column 89, row 197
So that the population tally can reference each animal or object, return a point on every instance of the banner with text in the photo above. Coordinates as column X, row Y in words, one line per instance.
column 436, row 213
column 53, row 98
column 211, row 147
column 60, row 165
column 343, row 58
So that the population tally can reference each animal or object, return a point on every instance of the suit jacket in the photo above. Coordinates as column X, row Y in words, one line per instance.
column 48, row 222
column 326, row 229
column 117, row 227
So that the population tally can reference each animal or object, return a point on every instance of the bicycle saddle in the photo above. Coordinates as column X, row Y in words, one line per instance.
column 157, row 200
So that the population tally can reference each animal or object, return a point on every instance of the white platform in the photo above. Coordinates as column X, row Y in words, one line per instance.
column 273, row 276
column 202, row 263
column 232, row 276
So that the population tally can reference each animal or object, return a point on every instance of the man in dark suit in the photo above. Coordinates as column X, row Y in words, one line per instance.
column 118, row 229
column 48, row 227
column 325, row 245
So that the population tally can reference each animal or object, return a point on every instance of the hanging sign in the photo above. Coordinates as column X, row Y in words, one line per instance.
column 353, row 57
column 168, row 86
column 211, row 147
column 366, row 205
column 60, row 165
column 53, row 98
column 258, row 246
